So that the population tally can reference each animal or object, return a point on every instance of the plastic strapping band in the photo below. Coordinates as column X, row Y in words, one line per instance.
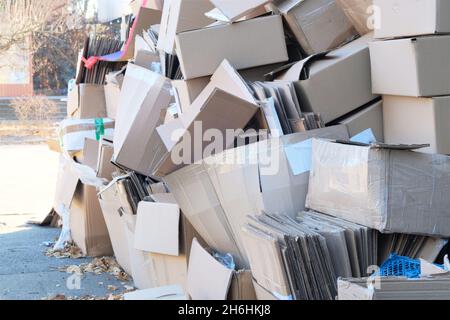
column 99, row 128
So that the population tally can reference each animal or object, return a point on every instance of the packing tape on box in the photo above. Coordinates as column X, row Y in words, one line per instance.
column 89, row 127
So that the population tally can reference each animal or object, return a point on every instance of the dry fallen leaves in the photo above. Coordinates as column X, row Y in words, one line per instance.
column 71, row 251
column 99, row 266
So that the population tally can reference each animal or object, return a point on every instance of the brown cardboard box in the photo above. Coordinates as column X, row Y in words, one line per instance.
column 188, row 90
column 242, row 288
column 417, row 67
column 104, row 167
column 87, row 101
column 207, row 278
column 262, row 294
column 201, row 51
column 65, row 187
column 145, row 97
column 180, row 16
column 112, row 213
column 217, row 195
column 112, row 98
column 318, row 25
column 225, row 82
column 87, row 225
column 90, row 153
column 222, row 111
column 418, row 120
column 387, row 188
column 359, row 13
column 398, row 19
column 370, row 117
column 165, row 253
column 335, row 84
column 73, row 132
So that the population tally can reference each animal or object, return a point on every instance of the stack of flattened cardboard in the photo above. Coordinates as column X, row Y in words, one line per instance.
column 287, row 107
column 288, row 259
column 410, row 68
column 430, row 288
column 303, row 258
column 412, row 246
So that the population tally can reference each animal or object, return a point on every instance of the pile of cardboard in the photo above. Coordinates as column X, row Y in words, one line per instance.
column 304, row 190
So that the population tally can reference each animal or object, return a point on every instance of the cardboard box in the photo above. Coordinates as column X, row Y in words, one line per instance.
column 225, row 82
column 418, row 67
column 104, row 166
column 217, row 195
column 221, row 112
column 242, row 288
column 201, row 51
column 157, row 228
column 180, row 16
column 112, row 94
column 66, row 184
column 73, row 132
column 211, row 285
column 370, row 117
column 231, row 11
column 90, row 153
column 145, row 96
column 418, row 120
column 188, row 90
column 87, row 225
column 262, row 294
column 112, row 212
column 318, row 25
column 87, row 101
column 399, row 18
column 165, row 251
column 359, row 12
column 335, row 84
column 387, row 188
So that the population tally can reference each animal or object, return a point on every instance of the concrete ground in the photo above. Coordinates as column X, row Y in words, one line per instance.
column 27, row 182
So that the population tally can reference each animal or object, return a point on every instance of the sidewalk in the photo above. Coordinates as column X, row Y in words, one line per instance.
column 26, row 192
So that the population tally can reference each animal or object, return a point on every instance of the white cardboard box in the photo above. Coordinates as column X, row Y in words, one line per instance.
column 405, row 18
column 202, row 51
column 418, row 120
column 417, row 67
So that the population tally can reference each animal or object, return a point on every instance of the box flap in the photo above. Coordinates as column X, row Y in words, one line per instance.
column 379, row 145
column 90, row 153
column 157, row 228
column 233, row 10
column 208, row 279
